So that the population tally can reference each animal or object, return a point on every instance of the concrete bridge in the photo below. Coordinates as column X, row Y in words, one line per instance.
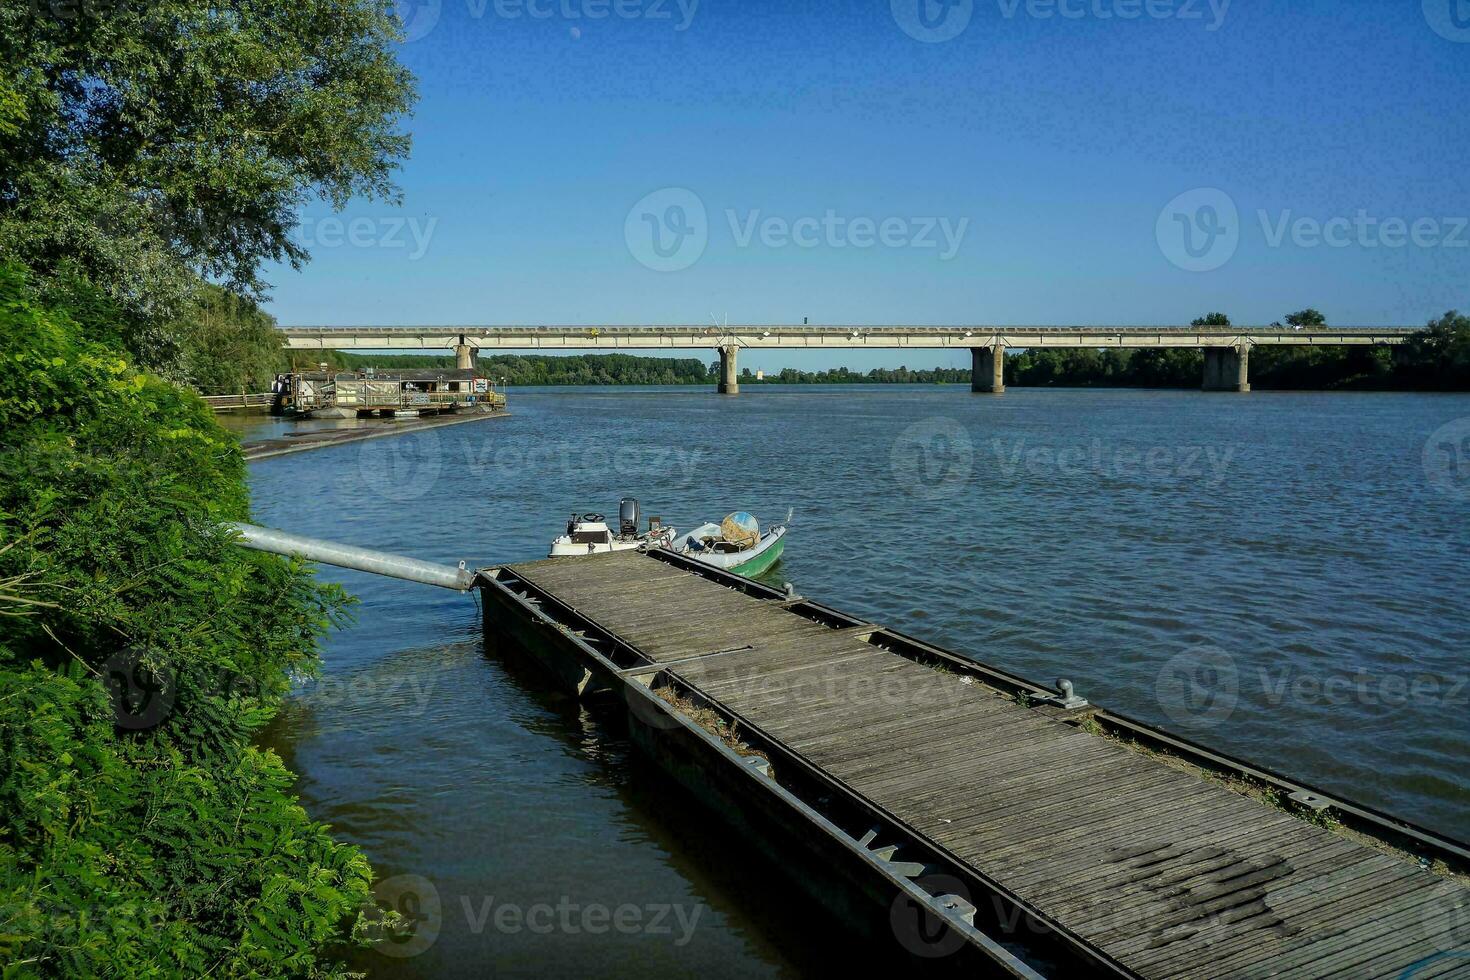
column 1227, row 349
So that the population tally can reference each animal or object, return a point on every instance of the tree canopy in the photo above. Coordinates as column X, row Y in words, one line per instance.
column 146, row 145
column 152, row 156
column 144, row 834
column 1306, row 318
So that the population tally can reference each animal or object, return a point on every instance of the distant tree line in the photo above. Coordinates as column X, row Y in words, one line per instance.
column 537, row 369
column 1438, row 358
column 844, row 376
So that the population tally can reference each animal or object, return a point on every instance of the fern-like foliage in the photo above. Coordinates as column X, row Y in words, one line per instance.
column 142, row 833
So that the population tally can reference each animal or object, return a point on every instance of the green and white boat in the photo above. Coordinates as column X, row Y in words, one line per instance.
column 736, row 545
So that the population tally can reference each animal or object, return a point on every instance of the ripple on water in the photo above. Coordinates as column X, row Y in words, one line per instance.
column 1305, row 543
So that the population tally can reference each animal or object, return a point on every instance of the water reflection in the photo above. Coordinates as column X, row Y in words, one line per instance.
column 500, row 806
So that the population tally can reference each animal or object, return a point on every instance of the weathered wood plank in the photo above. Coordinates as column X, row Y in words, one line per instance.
column 1165, row 872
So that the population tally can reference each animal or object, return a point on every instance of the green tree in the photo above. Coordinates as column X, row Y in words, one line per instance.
column 149, row 144
column 1211, row 320
column 232, row 344
column 1440, row 356
column 145, row 834
column 1166, row 367
column 1307, row 318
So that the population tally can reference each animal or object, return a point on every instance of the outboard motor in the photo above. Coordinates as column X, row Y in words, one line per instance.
column 628, row 517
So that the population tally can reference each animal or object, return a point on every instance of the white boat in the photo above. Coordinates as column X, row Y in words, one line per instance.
column 590, row 534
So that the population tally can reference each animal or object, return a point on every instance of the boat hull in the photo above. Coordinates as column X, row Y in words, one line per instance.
column 762, row 562
column 750, row 562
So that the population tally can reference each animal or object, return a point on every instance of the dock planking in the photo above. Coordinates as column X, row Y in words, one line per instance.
column 1154, row 869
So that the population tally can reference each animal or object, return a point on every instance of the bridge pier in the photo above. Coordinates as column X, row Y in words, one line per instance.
column 464, row 355
column 1227, row 369
column 988, row 369
column 729, row 379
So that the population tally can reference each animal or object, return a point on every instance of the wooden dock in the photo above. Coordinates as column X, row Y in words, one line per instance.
column 1046, row 838
column 243, row 402
column 302, row 440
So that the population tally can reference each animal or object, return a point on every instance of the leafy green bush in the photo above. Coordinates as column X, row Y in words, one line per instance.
column 141, row 831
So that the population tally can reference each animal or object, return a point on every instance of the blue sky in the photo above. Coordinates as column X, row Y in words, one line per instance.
column 965, row 161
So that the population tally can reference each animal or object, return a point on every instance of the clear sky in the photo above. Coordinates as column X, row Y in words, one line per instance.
column 914, row 161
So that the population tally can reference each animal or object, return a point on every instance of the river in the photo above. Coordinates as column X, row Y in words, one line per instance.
column 1282, row 576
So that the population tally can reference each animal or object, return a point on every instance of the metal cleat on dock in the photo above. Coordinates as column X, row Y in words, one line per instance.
column 903, row 869
column 1310, row 800
column 1066, row 697
column 954, row 907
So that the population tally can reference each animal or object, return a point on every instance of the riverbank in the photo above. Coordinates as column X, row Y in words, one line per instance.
column 299, row 442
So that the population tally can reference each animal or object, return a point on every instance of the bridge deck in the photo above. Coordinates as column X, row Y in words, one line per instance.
column 1160, row 871
column 877, row 336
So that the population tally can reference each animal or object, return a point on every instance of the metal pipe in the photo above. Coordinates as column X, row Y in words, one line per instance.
column 276, row 542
